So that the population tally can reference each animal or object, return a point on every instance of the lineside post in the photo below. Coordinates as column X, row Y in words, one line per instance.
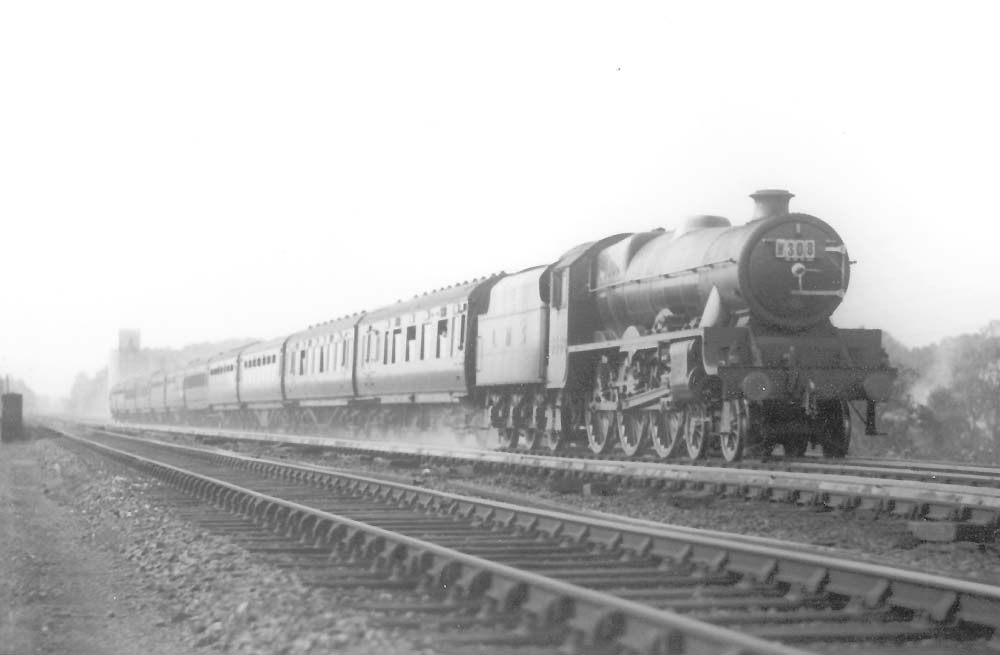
column 11, row 420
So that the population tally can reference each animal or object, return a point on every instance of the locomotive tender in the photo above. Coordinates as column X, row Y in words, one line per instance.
column 707, row 335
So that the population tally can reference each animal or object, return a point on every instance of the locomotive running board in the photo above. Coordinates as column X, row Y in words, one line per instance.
column 645, row 341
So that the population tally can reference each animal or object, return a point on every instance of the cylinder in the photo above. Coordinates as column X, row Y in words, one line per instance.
column 11, row 418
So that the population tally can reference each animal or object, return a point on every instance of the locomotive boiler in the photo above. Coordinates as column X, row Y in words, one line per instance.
column 707, row 337
column 786, row 270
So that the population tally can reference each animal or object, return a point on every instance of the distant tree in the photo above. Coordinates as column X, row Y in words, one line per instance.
column 945, row 422
column 976, row 381
column 89, row 395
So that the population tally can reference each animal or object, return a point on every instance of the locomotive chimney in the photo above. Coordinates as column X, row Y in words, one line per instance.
column 770, row 203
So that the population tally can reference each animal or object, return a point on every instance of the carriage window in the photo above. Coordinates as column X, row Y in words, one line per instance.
column 423, row 340
column 411, row 343
column 322, row 356
column 346, row 352
column 557, row 287
column 385, row 352
column 397, row 345
column 442, row 337
column 196, row 380
column 461, row 333
column 302, row 362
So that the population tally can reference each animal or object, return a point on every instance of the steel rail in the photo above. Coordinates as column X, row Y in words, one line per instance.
column 499, row 505
column 898, row 471
column 614, row 621
column 952, row 500
column 938, row 598
column 953, row 472
column 935, row 466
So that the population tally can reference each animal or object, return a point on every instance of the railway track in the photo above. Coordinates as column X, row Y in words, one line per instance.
column 488, row 572
column 942, row 472
column 944, row 502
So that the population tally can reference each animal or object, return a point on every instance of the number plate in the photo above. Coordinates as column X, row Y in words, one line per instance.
column 795, row 249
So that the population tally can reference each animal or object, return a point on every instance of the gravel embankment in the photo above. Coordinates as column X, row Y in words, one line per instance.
column 214, row 591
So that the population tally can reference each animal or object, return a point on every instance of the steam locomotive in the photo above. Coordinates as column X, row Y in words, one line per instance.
column 708, row 337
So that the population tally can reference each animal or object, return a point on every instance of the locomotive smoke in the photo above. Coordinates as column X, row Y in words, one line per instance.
column 938, row 376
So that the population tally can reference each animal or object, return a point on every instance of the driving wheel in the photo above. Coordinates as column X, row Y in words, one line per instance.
column 696, row 426
column 600, row 431
column 665, row 431
column 632, row 432
column 733, row 429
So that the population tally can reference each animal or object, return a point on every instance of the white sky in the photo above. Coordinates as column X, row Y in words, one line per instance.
column 203, row 170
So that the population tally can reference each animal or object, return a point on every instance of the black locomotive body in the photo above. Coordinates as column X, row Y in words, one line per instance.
column 707, row 336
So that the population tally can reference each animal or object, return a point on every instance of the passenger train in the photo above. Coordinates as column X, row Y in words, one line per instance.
column 707, row 338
